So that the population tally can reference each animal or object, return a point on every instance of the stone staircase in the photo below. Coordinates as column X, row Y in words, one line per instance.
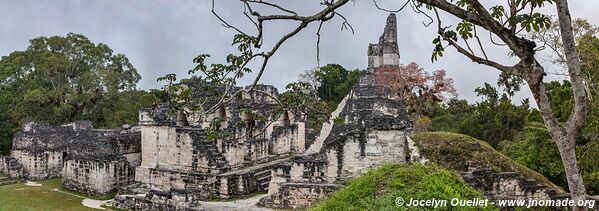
column 209, row 148
column 263, row 179
column 326, row 128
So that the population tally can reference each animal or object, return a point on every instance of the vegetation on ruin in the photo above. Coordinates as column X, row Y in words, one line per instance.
column 21, row 197
column 330, row 83
column 379, row 188
column 452, row 151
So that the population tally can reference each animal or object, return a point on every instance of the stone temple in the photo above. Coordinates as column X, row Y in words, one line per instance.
column 168, row 161
column 386, row 52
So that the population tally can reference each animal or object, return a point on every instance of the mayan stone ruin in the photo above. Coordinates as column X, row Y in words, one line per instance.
column 386, row 52
column 168, row 161
column 88, row 160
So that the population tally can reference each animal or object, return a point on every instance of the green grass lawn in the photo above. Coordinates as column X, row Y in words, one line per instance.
column 20, row 197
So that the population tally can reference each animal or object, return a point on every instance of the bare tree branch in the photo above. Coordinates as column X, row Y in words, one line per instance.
column 460, row 49
column 391, row 11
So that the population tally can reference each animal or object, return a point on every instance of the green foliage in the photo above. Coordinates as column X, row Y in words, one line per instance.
column 493, row 119
column 535, row 116
column 303, row 96
column 534, row 148
column 339, row 121
column 448, row 116
column 378, row 189
column 524, row 16
column 587, row 156
column 63, row 79
column 215, row 129
column 121, row 108
column 560, row 96
column 335, row 82
column 7, row 125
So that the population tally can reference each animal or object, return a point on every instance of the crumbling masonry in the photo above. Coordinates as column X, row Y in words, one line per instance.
column 88, row 160
column 169, row 161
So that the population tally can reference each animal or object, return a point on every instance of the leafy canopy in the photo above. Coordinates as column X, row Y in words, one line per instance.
column 61, row 79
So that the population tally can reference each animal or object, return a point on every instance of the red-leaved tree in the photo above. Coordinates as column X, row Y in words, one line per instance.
column 415, row 87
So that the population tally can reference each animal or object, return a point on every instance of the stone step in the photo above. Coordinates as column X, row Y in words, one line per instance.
column 264, row 185
column 326, row 128
column 263, row 178
column 264, row 172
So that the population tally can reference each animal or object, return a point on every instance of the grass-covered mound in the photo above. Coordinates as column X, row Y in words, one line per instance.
column 379, row 189
column 452, row 151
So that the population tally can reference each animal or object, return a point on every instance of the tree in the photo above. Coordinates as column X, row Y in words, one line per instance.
column 448, row 114
column 335, row 82
column 121, row 108
column 561, row 93
column 309, row 77
column 63, row 79
column 533, row 148
column 495, row 118
column 416, row 88
column 507, row 25
column 473, row 13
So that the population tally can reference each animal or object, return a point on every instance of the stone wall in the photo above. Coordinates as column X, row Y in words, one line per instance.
column 42, row 149
column 11, row 167
column 305, row 179
column 40, row 165
column 373, row 133
column 183, row 164
column 92, row 161
column 378, row 147
column 299, row 195
column 95, row 177
column 190, row 186
column 184, row 158
column 151, row 202
column 505, row 185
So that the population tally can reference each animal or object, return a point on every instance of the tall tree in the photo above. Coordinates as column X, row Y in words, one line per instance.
column 495, row 118
column 335, row 82
column 63, row 79
column 506, row 25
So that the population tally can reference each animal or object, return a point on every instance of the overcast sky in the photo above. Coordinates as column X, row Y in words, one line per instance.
column 161, row 37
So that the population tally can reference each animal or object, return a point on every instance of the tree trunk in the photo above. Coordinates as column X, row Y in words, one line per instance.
column 567, row 143
column 575, row 182
column 564, row 138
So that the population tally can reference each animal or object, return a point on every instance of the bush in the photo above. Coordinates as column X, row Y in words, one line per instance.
column 378, row 189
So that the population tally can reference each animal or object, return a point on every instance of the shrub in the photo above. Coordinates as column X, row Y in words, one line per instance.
column 379, row 189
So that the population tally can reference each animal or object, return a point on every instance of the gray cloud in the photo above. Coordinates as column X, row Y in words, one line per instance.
column 161, row 37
